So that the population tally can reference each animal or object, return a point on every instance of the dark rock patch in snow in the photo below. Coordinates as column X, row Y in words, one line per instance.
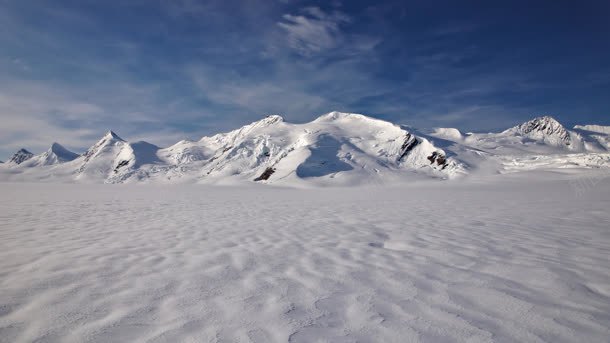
column 408, row 145
column 439, row 158
column 266, row 174
column 120, row 165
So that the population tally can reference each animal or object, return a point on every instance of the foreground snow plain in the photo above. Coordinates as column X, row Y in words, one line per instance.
column 511, row 258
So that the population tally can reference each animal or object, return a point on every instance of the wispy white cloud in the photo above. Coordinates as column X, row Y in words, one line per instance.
column 313, row 30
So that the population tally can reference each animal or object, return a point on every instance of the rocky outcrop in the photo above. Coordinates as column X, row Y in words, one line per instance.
column 266, row 174
column 409, row 143
column 20, row 156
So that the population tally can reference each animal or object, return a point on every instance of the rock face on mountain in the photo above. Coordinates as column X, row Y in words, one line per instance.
column 334, row 149
column 20, row 156
column 545, row 129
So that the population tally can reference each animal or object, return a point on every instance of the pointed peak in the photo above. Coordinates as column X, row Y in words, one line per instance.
column 23, row 151
column 21, row 156
column 111, row 135
column 544, row 123
column 544, row 128
column 56, row 146
column 59, row 149
column 544, row 119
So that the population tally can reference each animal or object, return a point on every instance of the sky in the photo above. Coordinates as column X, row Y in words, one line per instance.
column 166, row 70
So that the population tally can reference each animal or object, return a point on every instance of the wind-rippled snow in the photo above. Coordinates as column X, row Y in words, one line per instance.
column 511, row 261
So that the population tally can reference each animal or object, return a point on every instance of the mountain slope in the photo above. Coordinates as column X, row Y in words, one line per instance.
column 334, row 149
column 597, row 137
column 100, row 160
column 349, row 147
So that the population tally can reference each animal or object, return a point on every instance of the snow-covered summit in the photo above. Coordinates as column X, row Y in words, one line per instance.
column 20, row 156
column 336, row 148
column 111, row 135
column 60, row 154
column 336, row 116
column 545, row 129
column 56, row 154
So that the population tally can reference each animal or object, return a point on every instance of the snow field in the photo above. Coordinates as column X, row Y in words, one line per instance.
column 495, row 260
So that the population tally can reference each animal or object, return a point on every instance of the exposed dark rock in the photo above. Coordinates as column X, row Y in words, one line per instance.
column 547, row 126
column 266, row 174
column 439, row 158
column 409, row 143
column 121, row 164
column 21, row 156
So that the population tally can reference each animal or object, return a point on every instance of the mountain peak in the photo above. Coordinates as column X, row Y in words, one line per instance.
column 61, row 154
column 275, row 117
column 545, row 119
column 21, row 156
column 57, row 147
column 545, row 124
column 111, row 135
column 23, row 151
column 545, row 128
column 270, row 119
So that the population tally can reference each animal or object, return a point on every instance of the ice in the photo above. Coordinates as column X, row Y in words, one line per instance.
column 511, row 258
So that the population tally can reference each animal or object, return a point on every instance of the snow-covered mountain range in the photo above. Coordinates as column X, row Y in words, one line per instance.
column 334, row 149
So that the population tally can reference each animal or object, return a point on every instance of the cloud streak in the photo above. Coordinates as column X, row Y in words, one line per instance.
column 313, row 30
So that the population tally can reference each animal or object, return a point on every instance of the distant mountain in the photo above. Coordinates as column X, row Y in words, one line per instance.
column 113, row 159
column 544, row 129
column 55, row 155
column 334, row 149
column 20, row 156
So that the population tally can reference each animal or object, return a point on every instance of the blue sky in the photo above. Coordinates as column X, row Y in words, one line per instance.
column 163, row 70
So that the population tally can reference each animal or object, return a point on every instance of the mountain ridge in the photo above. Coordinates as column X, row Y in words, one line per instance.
column 335, row 148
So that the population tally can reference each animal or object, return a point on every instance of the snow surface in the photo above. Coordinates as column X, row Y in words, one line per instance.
column 509, row 258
